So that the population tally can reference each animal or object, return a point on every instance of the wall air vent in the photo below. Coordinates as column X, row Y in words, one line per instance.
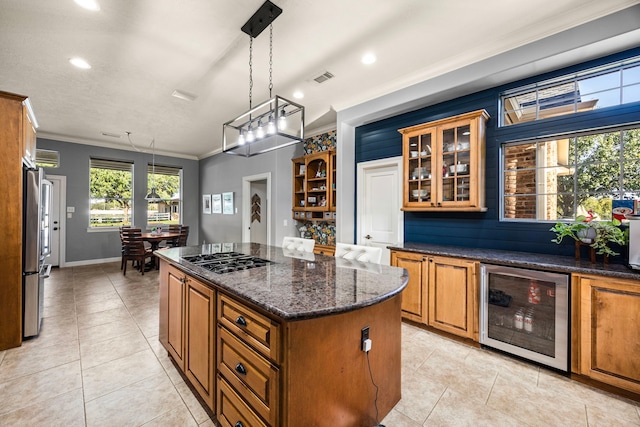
column 323, row 77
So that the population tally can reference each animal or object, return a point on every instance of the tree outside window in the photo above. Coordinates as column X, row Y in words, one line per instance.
column 110, row 193
column 566, row 177
column 167, row 182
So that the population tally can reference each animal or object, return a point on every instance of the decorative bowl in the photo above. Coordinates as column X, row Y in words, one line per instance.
column 459, row 168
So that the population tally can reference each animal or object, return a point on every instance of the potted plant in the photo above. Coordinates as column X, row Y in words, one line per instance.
column 597, row 234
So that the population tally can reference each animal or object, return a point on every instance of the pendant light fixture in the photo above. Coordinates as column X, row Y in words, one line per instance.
column 275, row 123
column 153, row 195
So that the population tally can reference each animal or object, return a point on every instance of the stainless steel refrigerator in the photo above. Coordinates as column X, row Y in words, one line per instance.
column 36, row 246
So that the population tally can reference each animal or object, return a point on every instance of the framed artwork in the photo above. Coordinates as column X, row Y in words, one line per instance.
column 227, row 203
column 216, row 203
column 206, row 203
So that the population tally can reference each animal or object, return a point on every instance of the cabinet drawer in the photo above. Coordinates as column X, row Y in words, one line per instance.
column 233, row 411
column 252, row 327
column 250, row 374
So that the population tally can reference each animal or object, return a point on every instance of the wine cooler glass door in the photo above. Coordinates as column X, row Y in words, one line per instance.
column 525, row 312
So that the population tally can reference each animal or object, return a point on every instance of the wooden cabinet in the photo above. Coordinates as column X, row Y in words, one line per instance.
column 29, row 132
column 200, row 339
column 324, row 250
column 16, row 134
column 248, row 353
column 187, row 328
column 314, row 187
column 444, row 166
column 442, row 292
column 414, row 296
column 606, row 331
column 453, row 296
column 172, row 293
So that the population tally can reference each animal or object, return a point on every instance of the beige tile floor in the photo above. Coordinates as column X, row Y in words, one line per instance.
column 97, row 362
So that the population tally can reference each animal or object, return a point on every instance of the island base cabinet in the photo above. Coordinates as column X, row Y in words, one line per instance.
column 200, row 338
column 172, row 293
column 233, row 411
column 453, row 293
column 325, row 352
column 187, row 328
column 607, row 315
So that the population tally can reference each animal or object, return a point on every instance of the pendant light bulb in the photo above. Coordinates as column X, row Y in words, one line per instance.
column 282, row 120
column 241, row 138
column 260, row 130
column 250, row 136
column 271, row 126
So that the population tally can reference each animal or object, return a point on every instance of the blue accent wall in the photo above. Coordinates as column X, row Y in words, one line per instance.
column 381, row 139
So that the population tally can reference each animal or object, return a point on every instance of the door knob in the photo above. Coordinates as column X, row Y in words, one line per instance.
column 367, row 237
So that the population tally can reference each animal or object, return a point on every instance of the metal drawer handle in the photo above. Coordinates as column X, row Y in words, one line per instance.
column 239, row 424
column 241, row 321
column 241, row 369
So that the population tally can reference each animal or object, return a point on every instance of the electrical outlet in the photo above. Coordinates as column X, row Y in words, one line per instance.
column 364, row 339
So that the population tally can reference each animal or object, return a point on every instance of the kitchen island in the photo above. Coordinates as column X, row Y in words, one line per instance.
column 280, row 344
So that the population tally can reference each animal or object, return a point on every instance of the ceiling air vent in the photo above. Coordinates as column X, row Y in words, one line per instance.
column 323, row 77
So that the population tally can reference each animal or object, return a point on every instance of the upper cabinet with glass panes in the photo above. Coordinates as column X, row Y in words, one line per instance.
column 444, row 164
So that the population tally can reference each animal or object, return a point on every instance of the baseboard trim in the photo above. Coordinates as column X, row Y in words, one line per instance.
column 91, row 261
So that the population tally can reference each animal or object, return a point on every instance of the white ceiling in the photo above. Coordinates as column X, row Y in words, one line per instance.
column 143, row 50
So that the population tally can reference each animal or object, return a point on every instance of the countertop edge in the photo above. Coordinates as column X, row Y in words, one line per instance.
column 534, row 261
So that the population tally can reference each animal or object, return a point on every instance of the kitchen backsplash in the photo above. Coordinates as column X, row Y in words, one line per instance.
column 321, row 142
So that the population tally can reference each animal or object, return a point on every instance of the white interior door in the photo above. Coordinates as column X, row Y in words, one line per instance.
column 58, row 219
column 251, row 185
column 380, row 221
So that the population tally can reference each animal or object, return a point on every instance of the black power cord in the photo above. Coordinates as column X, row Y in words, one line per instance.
column 376, row 386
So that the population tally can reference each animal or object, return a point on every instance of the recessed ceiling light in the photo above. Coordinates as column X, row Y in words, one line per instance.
column 298, row 94
column 80, row 63
column 368, row 58
column 88, row 4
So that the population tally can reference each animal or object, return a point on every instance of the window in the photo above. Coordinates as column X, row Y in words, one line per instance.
column 565, row 177
column 111, row 189
column 607, row 86
column 47, row 158
column 167, row 182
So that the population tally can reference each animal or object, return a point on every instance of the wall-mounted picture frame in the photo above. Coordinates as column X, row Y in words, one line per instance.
column 216, row 203
column 227, row 203
column 206, row 203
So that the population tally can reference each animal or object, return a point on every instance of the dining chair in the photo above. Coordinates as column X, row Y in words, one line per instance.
column 358, row 253
column 298, row 244
column 127, row 230
column 173, row 228
column 135, row 250
column 184, row 235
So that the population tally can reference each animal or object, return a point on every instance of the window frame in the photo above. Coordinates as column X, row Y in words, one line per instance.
column 175, row 171
column 566, row 135
column 570, row 78
column 114, row 165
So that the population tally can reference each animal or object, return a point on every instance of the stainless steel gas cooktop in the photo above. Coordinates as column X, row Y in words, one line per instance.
column 226, row 262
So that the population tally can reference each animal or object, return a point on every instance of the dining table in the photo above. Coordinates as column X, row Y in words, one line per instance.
column 154, row 240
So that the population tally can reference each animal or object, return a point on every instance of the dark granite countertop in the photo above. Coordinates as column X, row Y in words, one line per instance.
column 555, row 263
column 296, row 288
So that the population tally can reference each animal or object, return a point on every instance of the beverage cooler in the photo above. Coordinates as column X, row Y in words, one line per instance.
column 526, row 313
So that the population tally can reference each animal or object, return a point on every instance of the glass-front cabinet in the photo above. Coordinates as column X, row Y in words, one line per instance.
column 444, row 164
